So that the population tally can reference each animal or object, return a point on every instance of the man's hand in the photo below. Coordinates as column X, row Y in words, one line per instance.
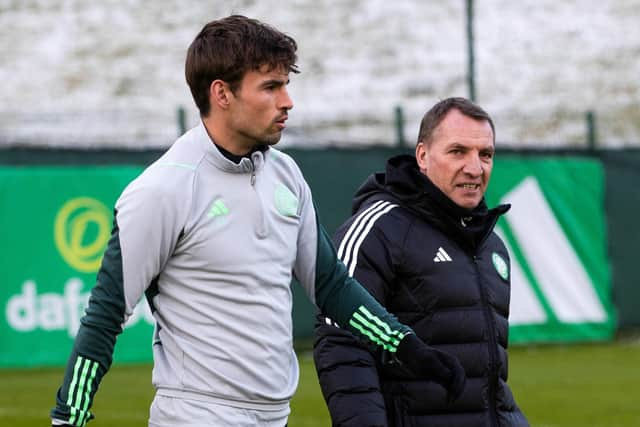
column 430, row 363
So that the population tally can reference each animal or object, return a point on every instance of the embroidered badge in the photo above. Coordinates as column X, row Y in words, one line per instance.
column 500, row 265
column 286, row 202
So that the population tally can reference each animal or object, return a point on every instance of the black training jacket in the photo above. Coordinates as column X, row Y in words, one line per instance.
column 441, row 270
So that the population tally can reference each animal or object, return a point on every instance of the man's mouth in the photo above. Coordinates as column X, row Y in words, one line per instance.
column 469, row 186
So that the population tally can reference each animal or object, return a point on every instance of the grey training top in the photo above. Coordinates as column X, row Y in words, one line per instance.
column 214, row 245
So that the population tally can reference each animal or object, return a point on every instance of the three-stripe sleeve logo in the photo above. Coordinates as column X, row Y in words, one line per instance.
column 357, row 232
column 79, row 395
column 375, row 329
column 369, row 325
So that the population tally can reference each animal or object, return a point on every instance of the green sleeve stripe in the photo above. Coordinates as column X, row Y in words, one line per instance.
column 368, row 334
column 375, row 330
column 72, row 390
column 87, row 393
column 386, row 337
column 386, row 346
column 73, row 414
column 76, row 367
column 81, row 388
column 380, row 323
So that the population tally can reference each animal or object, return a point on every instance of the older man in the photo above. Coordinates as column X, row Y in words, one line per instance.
column 421, row 241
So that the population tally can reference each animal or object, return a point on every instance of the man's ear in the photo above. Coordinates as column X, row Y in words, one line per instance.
column 220, row 94
column 421, row 156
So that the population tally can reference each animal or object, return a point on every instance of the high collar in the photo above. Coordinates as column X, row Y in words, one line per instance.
column 232, row 164
column 237, row 159
column 403, row 183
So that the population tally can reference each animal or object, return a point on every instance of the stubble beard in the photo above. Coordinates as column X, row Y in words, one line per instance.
column 272, row 139
column 268, row 139
column 265, row 139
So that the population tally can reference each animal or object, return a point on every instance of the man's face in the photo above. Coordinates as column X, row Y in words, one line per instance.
column 259, row 107
column 459, row 158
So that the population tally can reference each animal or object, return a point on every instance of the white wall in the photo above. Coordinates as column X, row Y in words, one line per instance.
column 110, row 73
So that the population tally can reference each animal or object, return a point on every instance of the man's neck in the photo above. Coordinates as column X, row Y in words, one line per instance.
column 235, row 156
column 220, row 136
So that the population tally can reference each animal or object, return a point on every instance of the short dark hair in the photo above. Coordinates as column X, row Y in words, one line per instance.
column 227, row 48
column 436, row 114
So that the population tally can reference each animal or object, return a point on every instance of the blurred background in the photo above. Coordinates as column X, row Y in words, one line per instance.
column 111, row 73
column 93, row 92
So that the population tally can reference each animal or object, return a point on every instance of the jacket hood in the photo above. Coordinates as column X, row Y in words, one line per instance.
column 403, row 183
column 399, row 181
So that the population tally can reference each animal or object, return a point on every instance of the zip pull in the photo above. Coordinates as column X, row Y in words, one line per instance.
column 255, row 158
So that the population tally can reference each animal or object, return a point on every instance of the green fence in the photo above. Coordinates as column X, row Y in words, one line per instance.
column 622, row 201
column 56, row 216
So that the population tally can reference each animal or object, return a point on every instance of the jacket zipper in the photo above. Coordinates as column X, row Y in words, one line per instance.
column 262, row 225
column 493, row 357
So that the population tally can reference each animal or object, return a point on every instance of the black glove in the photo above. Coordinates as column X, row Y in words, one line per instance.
column 430, row 363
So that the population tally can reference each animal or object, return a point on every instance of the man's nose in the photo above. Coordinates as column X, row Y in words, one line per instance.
column 473, row 165
column 284, row 101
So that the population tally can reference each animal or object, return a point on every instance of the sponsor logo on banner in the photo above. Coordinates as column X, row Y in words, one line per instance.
column 81, row 231
column 50, row 311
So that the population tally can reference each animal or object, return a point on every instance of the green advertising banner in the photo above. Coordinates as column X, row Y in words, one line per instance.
column 56, row 222
column 555, row 234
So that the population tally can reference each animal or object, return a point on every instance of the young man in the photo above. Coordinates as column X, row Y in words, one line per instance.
column 212, row 234
column 421, row 241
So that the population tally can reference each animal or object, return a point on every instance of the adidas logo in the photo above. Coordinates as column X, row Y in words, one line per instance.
column 218, row 209
column 442, row 256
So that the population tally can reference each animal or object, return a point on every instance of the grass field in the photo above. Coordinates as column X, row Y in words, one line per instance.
column 556, row 386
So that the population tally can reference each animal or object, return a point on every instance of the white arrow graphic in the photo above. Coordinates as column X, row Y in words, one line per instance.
column 555, row 265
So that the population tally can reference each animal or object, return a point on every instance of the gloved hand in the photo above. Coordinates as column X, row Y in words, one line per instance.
column 430, row 363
